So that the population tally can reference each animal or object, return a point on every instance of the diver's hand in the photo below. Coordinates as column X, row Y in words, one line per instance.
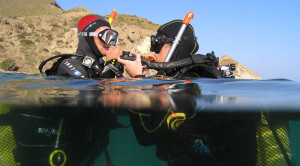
column 114, row 52
column 133, row 68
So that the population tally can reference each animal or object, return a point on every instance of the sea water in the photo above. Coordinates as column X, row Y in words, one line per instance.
column 149, row 121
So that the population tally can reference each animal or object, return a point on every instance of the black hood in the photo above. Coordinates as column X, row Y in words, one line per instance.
column 85, row 49
column 86, row 44
column 188, row 44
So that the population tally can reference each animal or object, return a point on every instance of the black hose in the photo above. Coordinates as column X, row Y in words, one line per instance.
column 171, row 65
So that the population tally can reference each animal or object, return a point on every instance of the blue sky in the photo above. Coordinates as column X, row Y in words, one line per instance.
column 263, row 35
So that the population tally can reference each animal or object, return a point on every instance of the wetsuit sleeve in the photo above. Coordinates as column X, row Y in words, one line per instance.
column 72, row 68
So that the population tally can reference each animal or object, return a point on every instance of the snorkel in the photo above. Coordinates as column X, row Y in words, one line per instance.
column 112, row 16
column 185, row 23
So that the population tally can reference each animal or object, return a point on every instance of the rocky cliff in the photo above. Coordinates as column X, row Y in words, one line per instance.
column 27, row 38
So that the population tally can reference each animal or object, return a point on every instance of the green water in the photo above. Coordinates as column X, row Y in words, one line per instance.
column 125, row 151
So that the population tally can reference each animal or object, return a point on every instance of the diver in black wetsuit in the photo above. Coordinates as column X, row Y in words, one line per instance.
column 195, row 138
column 59, row 135
column 84, row 132
column 187, row 47
column 95, row 40
column 185, row 137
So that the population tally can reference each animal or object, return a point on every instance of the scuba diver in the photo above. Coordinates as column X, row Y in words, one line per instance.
column 165, row 115
column 57, row 136
column 95, row 40
column 183, row 137
column 183, row 63
column 73, row 136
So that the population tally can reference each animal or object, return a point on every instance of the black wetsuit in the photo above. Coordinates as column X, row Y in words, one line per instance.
column 201, row 138
column 84, row 134
column 204, row 138
column 87, row 63
column 73, row 67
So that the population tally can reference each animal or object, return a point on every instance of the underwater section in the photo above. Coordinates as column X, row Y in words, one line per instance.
column 148, row 121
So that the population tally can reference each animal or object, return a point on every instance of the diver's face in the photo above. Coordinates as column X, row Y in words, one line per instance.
column 103, row 48
column 161, row 56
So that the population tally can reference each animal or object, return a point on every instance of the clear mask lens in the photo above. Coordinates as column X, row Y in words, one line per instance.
column 109, row 37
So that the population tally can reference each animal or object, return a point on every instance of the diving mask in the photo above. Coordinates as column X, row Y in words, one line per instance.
column 108, row 36
column 158, row 41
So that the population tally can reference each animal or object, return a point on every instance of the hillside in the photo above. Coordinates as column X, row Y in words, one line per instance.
column 27, row 38
column 26, row 41
column 17, row 8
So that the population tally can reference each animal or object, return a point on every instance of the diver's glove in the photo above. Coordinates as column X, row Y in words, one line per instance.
column 112, row 65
